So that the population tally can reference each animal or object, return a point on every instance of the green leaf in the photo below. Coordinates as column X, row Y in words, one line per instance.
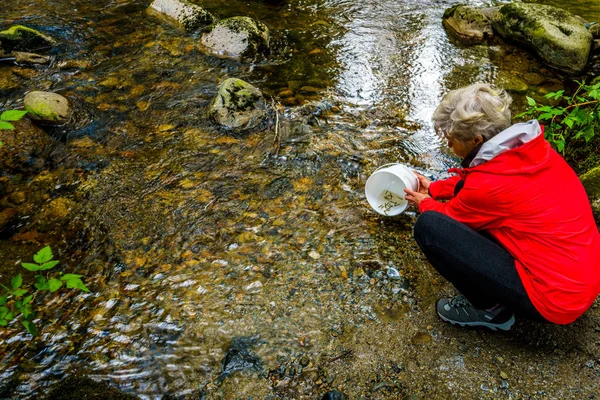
column 27, row 313
column 20, row 292
column 9, row 316
column 16, row 281
column 77, row 284
column 30, row 326
column 6, row 125
column 560, row 146
column 28, row 299
column 31, row 267
column 3, row 312
column 44, row 255
column 530, row 101
column 3, row 299
column 545, row 116
column 3, row 322
column 41, row 283
column 48, row 265
column 54, row 285
column 67, row 277
column 568, row 122
column 12, row 115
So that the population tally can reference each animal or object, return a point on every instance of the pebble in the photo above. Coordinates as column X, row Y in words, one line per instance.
column 393, row 273
column 254, row 286
column 503, row 375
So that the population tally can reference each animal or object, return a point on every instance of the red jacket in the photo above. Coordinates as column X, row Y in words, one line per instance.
column 533, row 203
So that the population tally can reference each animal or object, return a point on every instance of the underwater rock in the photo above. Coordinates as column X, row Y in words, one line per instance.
column 238, row 106
column 30, row 58
column 595, row 31
column 334, row 395
column 511, row 83
column 7, row 216
column 22, row 38
column 81, row 387
column 24, row 148
column 190, row 16
column 47, row 108
column 555, row 35
column 238, row 357
column 54, row 213
column 237, row 38
column 467, row 24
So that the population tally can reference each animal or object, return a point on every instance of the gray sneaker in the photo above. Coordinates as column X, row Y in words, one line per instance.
column 459, row 311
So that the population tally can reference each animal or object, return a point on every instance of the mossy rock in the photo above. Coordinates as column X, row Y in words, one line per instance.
column 467, row 24
column 555, row 35
column 22, row 38
column 591, row 182
column 511, row 83
column 238, row 106
column 595, row 31
column 190, row 16
column 47, row 108
column 237, row 38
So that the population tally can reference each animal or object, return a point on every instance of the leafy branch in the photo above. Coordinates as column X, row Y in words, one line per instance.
column 576, row 116
column 13, row 304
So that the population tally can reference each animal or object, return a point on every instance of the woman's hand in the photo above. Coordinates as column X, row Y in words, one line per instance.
column 415, row 198
column 423, row 183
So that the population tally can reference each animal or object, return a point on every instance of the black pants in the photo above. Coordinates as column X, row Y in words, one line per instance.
column 478, row 266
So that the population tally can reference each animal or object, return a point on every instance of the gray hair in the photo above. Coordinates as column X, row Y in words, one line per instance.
column 478, row 109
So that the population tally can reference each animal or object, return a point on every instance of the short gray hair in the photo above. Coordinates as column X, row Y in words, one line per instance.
column 478, row 109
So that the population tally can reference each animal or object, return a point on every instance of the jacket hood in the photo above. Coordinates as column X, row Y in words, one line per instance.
column 509, row 139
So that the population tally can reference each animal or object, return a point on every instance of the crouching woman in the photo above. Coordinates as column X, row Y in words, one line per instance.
column 513, row 230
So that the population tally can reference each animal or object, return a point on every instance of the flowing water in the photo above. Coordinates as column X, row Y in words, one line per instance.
column 190, row 238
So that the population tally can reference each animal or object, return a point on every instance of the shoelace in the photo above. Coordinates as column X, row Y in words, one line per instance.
column 458, row 301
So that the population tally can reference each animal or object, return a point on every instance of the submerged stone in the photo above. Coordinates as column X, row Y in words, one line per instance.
column 239, row 357
column 30, row 58
column 467, row 24
column 555, row 35
column 190, row 16
column 82, row 387
column 24, row 148
column 237, row 38
column 22, row 38
column 47, row 108
column 238, row 106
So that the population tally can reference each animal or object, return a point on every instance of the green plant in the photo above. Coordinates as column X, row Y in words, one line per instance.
column 12, row 300
column 574, row 117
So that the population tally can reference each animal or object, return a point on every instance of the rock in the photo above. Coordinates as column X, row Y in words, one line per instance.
column 467, row 24
column 24, row 148
column 595, row 31
column 555, row 35
column 190, row 16
column 238, row 107
column 8, row 80
column 22, row 38
column 591, row 182
column 7, row 216
column 334, row 395
column 237, row 38
column 81, row 387
column 511, row 83
column 238, row 357
column 30, row 58
column 533, row 78
column 54, row 214
column 47, row 108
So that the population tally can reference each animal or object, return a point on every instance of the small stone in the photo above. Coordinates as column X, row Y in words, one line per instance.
column 47, row 107
column 286, row 93
column 503, row 375
column 17, row 198
column 254, row 287
column 393, row 274
column 30, row 58
column 314, row 255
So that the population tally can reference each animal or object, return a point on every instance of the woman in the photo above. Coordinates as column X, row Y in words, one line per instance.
column 516, row 234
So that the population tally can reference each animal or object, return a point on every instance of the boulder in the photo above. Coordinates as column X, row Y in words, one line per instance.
column 467, row 24
column 555, row 35
column 47, row 108
column 237, row 38
column 190, row 16
column 591, row 182
column 238, row 106
column 24, row 148
column 595, row 31
column 22, row 38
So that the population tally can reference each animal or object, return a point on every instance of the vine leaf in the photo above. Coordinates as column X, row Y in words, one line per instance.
column 44, row 255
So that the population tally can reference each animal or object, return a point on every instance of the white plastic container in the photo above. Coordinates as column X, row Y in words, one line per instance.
column 385, row 188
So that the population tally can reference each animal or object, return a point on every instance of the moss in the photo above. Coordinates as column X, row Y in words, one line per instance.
column 22, row 38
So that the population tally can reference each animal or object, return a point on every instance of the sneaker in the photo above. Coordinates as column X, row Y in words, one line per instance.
column 459, row 311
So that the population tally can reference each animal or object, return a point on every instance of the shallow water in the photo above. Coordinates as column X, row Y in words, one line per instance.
column 189, row 237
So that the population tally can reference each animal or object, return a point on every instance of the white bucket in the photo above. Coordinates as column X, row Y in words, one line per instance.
column 385, row 188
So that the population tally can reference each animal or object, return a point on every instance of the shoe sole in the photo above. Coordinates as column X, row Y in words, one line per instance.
column 504, row 327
